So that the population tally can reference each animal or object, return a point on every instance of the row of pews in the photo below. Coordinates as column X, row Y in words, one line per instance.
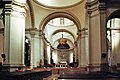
column 26, row 75
column 96, row 75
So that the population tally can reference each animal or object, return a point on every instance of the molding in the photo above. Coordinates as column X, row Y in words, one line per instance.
column 89, row 4
column 92, row 6
column 33, row 31
column 32, row 13
column 96, row 5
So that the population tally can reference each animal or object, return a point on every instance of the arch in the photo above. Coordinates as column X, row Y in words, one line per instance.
column 31, row 13
column 59, row 14
column 66, row 39
column 63, row 30
column 114, row 14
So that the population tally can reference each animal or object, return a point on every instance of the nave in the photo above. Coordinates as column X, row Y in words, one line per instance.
column 59, row 74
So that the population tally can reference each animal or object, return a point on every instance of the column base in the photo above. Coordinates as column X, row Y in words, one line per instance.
column 11, row 67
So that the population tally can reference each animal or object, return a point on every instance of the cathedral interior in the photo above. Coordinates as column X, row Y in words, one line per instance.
column 60, row 34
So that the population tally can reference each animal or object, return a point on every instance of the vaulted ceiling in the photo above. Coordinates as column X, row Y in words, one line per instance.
column 58, row 28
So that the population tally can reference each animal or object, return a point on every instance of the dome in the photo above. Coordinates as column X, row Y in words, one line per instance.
column 58, row 3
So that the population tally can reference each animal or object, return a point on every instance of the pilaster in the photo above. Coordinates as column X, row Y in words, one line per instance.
column 41, row 35
column 79, row 48
column 14, row 36
column 35, row 46
column 83, row 38
column 97, row 35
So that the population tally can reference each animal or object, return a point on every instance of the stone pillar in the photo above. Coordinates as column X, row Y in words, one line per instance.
column 48, row 53
column 97, row 36
column 32, row 51
column 103, row 36
column 89, row 40
column 84, row 48
column 41, row 35
column 14, row 37
column 75, row 55
column 79, row 49
column 35, row 48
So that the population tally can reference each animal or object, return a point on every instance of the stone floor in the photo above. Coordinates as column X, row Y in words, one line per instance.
column 52, row 77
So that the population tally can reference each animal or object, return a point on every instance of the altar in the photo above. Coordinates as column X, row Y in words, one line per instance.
column 63, row 63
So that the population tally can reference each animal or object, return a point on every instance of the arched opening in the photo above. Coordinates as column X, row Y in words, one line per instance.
column 27, row 52
column 59, row 33
column 113, row 36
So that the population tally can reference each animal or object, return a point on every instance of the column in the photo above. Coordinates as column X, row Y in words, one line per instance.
column 79, row 49
column 48, row 53
column 98, row 60
column 14, row 37
column 32, row 51
column 89, row 40
column 103, row 36
column 84, row 48
column 75, row 55
column 41, row 35
column 35, row 48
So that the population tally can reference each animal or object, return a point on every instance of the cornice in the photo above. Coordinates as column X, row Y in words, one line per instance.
column 92, row 6
column 34, row 31
column 96, row 5
column 89, row 4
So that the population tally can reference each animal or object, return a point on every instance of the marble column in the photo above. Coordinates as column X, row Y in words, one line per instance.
column 97, row 36
column 14, row 37
column 103, row 36
column 84, row 48
column 79, row 49
column 35, row 48
column 41, row 36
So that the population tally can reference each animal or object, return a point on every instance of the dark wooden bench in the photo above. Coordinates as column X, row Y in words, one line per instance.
column 88, row 75
column 27, row 75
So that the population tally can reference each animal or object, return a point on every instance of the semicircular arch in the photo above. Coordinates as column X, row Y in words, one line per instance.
column 63, row 30
column 57, row 15
column 114, row 14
